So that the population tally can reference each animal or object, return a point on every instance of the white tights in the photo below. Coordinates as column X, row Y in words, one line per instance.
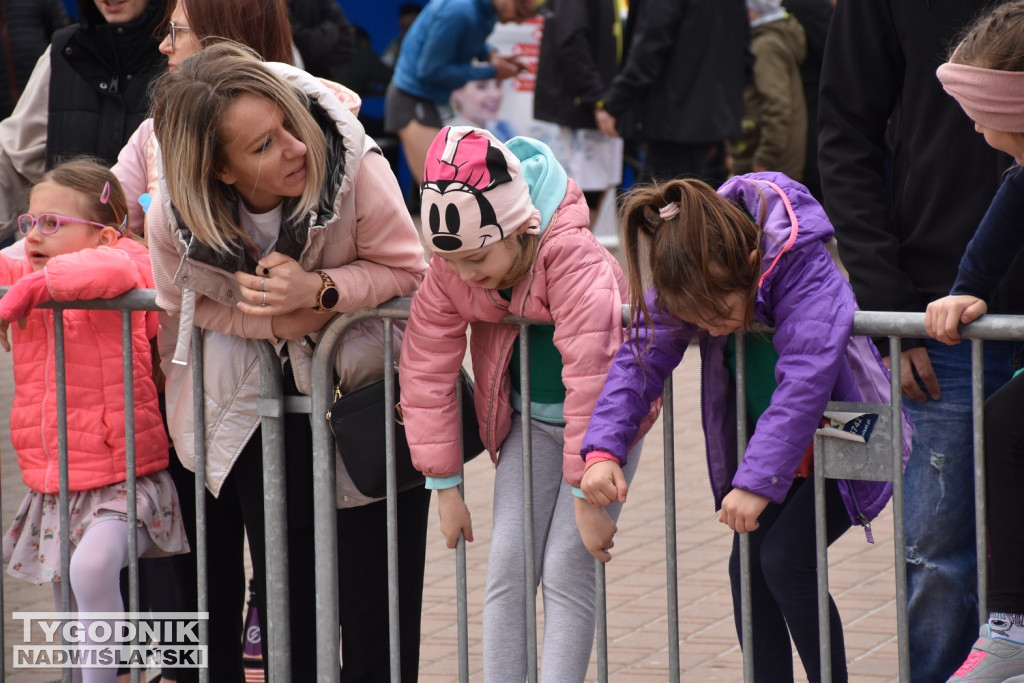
column 96, row 566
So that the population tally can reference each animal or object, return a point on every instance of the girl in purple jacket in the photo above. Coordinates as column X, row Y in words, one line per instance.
column 755, row 251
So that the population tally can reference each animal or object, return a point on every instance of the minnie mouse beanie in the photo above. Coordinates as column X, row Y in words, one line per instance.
column 473, row 192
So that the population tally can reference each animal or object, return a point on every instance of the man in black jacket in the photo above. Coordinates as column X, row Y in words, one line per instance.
column 906, row 181
column 680, row 89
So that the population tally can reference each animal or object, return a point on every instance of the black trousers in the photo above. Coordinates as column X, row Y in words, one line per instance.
column 1004, row 474
column 783, row 585
column 362, row 561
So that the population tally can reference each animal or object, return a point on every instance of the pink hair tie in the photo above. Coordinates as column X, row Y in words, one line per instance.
column 105, row 194
column 669, row 211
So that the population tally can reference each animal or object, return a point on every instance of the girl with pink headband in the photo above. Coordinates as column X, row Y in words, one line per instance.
column 509, row 233
column 985, row 74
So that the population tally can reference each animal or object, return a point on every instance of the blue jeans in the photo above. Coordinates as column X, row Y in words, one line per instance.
column 938, row 485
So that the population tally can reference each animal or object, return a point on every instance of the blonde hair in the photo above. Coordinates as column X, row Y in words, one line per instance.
column 695, row 259
column 90, row 178
column 188, row 108
column 525, row 247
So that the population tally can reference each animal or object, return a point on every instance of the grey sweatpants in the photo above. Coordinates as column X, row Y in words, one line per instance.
column 562, row 564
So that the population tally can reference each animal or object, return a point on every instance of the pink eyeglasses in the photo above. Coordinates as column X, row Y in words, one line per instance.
column 49, row 223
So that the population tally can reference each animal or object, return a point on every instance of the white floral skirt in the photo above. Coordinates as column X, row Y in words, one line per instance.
column 32, row 545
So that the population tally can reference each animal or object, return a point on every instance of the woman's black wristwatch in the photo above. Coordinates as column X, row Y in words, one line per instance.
column 328, row 296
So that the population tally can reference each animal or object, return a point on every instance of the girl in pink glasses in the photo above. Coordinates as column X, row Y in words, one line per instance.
column 76, row 248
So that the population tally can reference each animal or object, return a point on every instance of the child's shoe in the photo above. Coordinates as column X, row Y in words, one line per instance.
column 992, row 660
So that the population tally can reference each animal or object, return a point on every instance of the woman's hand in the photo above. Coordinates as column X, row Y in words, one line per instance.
column 740, row 510
column 454, row 515
column 279, row 286
column 298, row 324
column 604, row 483
column 944, row 316
column 596, row 529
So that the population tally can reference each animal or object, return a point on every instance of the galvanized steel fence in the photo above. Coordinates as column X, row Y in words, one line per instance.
column 882, row 460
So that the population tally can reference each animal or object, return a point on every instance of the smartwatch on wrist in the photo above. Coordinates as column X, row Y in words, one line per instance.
column 328, row 296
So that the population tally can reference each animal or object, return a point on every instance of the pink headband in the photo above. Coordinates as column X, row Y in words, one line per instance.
column 995, row 99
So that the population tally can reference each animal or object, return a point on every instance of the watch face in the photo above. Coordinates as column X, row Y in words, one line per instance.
column 329, row 297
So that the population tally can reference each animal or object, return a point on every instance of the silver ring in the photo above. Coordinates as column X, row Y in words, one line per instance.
column 262, row 282
column 264, row 299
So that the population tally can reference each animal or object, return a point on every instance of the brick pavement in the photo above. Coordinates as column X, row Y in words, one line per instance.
column 861, row 575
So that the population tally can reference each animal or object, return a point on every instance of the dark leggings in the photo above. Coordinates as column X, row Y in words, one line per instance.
column 1004, row 474
column 784, row 585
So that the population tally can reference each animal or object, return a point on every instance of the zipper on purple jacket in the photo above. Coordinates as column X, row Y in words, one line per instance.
column 859, row 513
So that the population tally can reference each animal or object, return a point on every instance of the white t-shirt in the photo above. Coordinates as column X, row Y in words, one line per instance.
column 264, row 228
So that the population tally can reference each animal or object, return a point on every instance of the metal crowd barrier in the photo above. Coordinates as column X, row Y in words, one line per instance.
column 273, row 405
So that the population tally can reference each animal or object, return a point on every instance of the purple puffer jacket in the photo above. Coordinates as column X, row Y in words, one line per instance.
column 806, row 298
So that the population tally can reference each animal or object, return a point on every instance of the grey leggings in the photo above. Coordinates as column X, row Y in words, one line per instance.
column 562, row 564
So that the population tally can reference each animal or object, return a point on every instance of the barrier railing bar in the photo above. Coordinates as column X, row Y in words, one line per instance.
column 601, row 608
column 391, row 481
column 671, row 554
column 899, row 531
column 821, row 546
column 128, row 375
column 529, row 547
column 199, row 436
column 747, row 622
column 461, row 584
column 275, row 515
column 62, row 475
column 981, row 503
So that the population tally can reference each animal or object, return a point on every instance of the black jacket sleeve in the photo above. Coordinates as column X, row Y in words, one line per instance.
column 575, row 55
column 655, row 27
column 861, row 79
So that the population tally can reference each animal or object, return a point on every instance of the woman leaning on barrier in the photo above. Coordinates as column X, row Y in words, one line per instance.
column 275, row 211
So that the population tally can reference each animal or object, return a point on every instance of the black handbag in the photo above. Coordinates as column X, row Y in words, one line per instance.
column 357, row 420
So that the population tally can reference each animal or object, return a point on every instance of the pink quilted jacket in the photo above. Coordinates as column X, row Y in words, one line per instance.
column 93, row 368
column 575, row 283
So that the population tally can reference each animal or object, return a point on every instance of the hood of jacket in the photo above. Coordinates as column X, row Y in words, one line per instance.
column 544, row 176
column 775, row 201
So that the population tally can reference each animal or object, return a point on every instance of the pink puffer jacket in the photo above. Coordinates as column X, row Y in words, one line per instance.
column 575, row 284
column 93, row 368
